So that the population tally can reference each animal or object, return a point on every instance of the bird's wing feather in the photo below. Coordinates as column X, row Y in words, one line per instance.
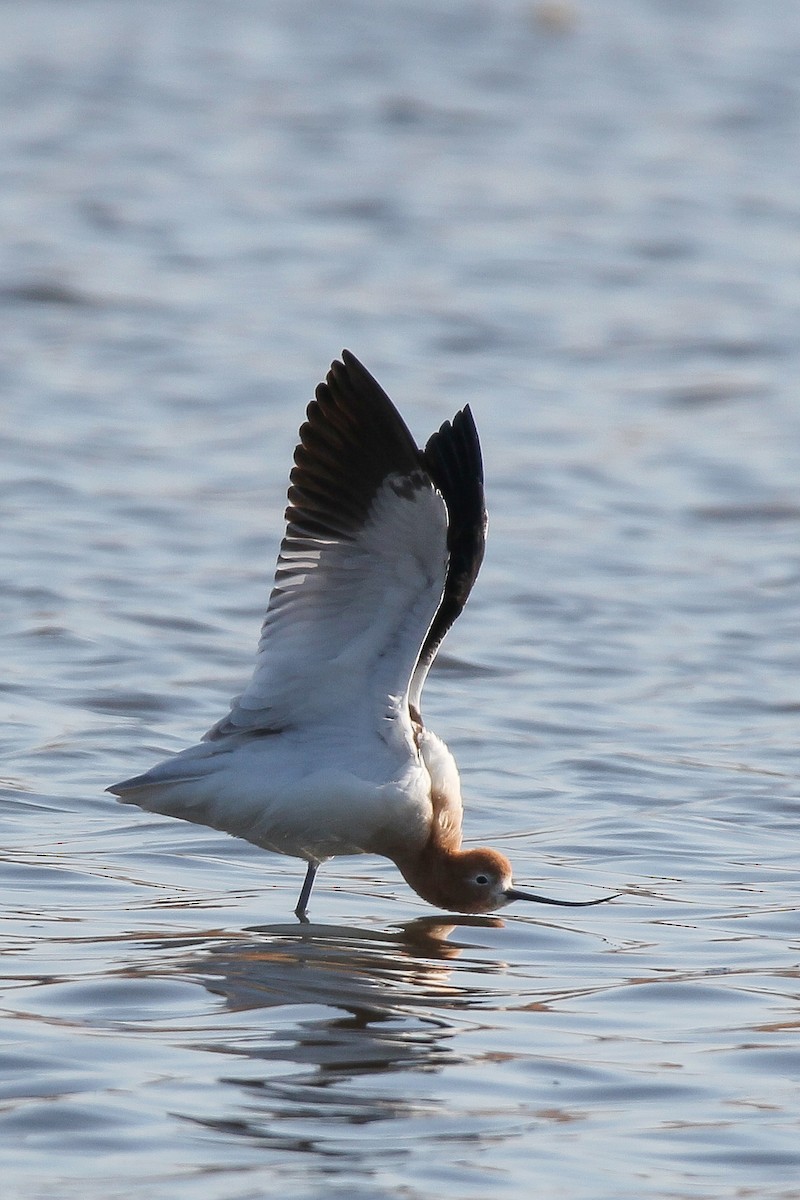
column 361, row 569
column 452, row 458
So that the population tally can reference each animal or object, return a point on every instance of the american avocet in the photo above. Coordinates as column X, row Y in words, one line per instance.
column 325, row 752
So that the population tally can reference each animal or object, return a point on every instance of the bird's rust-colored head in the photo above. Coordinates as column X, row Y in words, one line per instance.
column 471, row 881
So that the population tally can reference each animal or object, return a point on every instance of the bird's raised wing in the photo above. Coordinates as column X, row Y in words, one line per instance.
column 453, row 460
column 361, row 570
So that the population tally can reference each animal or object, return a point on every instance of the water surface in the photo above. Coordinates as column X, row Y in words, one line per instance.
column 582, row 220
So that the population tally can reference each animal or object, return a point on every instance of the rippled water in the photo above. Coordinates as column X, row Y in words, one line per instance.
column 582, row 219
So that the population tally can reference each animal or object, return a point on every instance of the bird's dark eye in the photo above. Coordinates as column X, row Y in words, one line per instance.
column 482, row 880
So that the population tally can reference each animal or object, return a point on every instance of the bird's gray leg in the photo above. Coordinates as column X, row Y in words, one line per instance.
column 305, row 892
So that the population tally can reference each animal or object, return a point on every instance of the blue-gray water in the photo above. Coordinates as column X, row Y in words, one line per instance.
column 583, row 218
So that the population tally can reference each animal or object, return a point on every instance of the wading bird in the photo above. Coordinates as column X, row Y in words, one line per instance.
column 325, row 753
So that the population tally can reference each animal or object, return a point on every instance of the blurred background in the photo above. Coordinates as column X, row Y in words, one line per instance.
column 582, row 218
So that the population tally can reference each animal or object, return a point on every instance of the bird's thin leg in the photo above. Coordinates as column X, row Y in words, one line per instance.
column 305, row 892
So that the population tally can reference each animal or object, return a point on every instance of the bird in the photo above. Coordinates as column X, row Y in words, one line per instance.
column 325, row 752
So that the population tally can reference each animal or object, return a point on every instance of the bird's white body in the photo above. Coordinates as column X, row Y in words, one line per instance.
column 310, row 793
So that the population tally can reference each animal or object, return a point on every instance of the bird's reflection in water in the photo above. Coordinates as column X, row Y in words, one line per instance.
column 346, row 968
column 360, row 1007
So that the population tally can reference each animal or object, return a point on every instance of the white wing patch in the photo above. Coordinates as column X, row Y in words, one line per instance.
column 348, row 615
